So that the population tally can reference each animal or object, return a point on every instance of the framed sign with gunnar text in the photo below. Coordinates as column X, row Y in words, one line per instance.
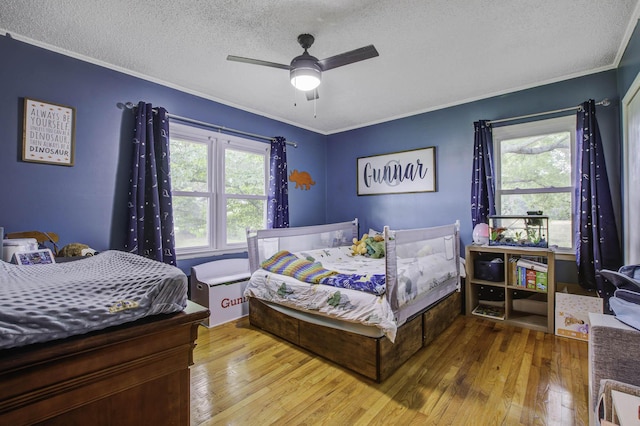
column 398, row 172
column 49, row 133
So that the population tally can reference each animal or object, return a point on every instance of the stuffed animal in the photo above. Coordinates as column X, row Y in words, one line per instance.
column 375, row 246
column 359, row 246
column 368, row 246
column 76, row 249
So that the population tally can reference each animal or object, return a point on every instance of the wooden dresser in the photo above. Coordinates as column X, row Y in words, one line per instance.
column 133, row 374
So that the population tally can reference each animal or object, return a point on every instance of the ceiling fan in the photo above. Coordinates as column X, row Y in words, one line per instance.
column 305, row 70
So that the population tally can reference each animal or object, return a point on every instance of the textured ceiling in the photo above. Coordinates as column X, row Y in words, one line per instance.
column 433, row 53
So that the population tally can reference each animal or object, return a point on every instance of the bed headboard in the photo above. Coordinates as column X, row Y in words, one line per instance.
column 264, row 243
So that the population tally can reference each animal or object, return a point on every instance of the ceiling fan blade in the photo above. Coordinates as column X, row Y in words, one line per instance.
column 257, row 62
column 347, row 58
column 312, row 94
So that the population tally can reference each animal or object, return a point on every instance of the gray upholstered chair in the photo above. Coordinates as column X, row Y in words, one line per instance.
column 614, row 350
column 603, row 409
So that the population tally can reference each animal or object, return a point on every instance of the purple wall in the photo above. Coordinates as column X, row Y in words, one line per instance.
column 450, row 130
column 84, row 203
column 87, row 202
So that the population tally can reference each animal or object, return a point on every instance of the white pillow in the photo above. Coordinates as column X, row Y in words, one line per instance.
column 372, row 232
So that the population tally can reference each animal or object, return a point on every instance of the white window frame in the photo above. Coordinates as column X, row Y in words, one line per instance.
column 533, row 128
column 217, row 143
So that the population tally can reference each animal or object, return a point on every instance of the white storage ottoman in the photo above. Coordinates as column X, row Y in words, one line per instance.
column 219, row 285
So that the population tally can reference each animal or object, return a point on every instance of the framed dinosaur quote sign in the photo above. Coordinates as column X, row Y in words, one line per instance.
column 398, row 172
column 49, row 133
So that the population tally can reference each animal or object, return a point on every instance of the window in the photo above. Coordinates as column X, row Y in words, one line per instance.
column 219, row 189
column 534, row 171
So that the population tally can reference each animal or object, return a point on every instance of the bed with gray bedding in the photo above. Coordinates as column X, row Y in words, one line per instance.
column 40, row 303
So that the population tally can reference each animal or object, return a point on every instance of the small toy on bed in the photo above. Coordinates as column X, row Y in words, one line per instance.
column 76, row 249
column 359, row 246
column 368, row 246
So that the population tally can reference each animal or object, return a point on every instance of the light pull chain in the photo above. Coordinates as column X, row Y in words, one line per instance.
column 295, row 103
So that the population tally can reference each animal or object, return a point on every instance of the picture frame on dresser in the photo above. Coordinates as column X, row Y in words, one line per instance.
column 35, row 257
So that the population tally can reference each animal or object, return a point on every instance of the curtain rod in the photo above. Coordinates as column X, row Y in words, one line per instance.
column 130, row 105
column 605, row 102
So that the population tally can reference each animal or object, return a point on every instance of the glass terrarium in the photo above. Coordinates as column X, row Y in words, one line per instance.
column 519, row 231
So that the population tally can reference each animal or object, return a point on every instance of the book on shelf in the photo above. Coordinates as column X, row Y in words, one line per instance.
column 530, row 279
column 541, row 281
column 513, row 271
column 523, row 276
column 494, row 312
column 532, row 264
column 531, row 274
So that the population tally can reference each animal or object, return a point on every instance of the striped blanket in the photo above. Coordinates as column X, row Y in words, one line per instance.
column 286, row 263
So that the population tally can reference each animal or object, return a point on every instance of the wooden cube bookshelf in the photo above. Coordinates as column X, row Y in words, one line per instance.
column 535, row 311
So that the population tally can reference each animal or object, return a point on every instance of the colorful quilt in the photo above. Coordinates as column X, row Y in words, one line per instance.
column 310, row 270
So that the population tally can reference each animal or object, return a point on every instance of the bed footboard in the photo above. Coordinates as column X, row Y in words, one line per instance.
column 411, row 252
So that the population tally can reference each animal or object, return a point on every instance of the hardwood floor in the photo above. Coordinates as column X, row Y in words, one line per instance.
column 476, row 373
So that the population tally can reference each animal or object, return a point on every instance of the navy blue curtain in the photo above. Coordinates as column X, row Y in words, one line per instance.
column 596, row 236
column 150, row 232
column 483, row 189
column 278, row 198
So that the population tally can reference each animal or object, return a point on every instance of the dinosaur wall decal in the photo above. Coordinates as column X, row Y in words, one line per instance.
column 302, row 179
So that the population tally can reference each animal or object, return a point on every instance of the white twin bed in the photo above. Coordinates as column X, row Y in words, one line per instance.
column 368, row 315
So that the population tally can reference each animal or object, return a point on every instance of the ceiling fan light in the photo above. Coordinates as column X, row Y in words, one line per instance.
column 304, row 82
column 305, row 73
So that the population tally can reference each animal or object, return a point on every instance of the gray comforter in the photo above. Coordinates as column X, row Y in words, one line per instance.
column 39, row 303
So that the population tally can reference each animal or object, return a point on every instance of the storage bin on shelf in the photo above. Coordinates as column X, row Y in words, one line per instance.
column 489, row 267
